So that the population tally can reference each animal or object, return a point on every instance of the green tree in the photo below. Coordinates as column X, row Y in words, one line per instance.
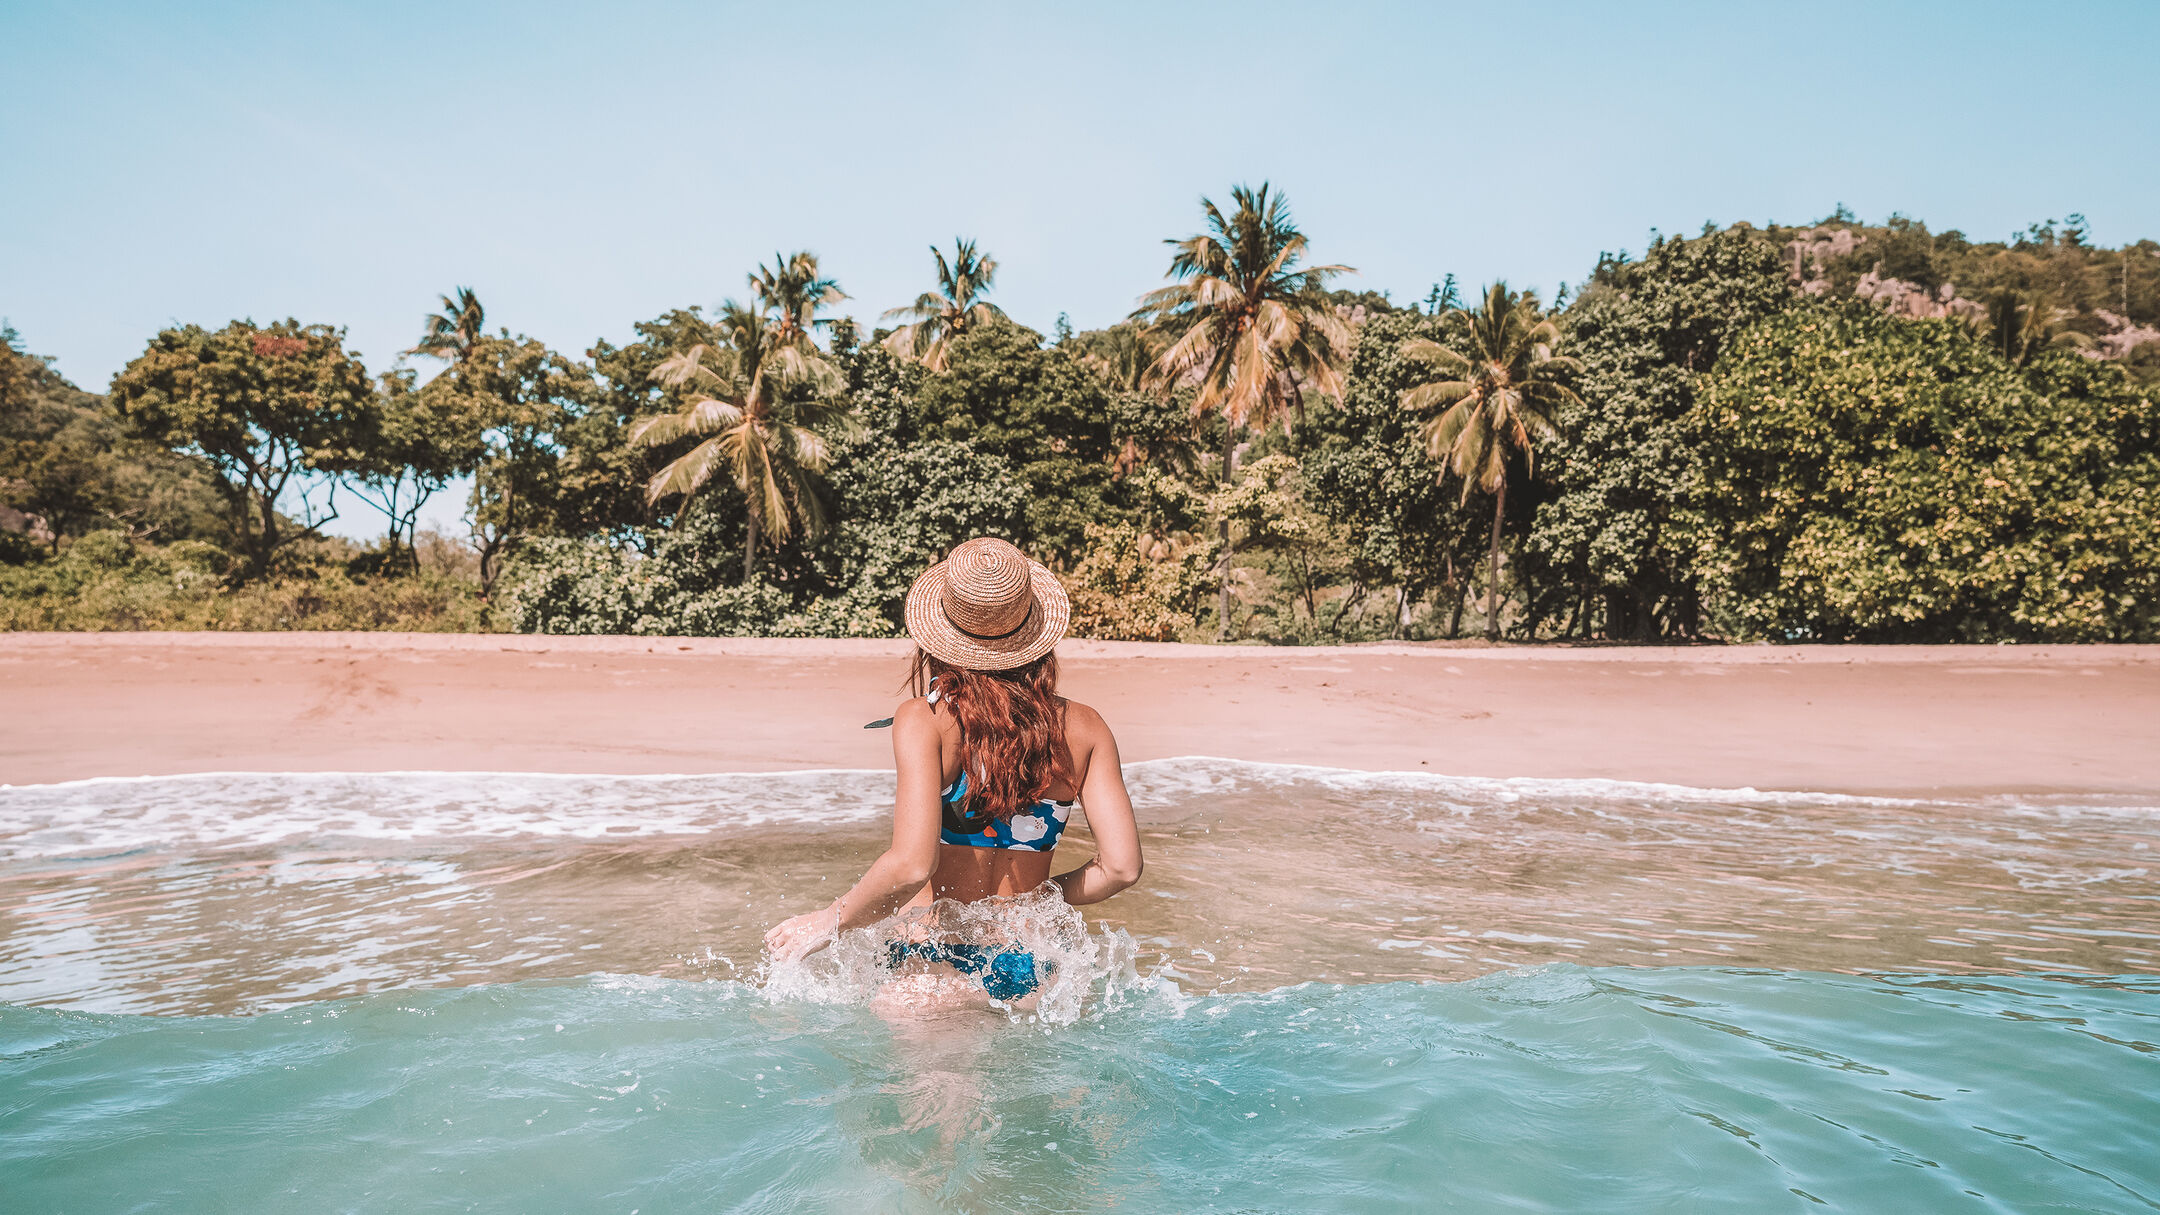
column 602, row 473
column 56, row 457
column 1368, row 470
column 269, row 407
column 794, row 291
column 1499, row 395
column 902, row 495
column 1045, row 414
column 19, row 374
column 2023, row 323
column 762, row 409
column 1246, row 326
column 1121, row 354
column 423, row 437
column 1881, row 479
column 1121, row 592
column 530, row 403
column 898, row 501
column 1149, row 428
column 1646, row 335
column 937, row 318
column 1268, row 510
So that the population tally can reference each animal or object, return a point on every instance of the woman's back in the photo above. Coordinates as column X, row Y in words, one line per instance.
column 982, row 853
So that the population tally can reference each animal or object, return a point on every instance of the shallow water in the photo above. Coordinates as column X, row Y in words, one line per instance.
column 1334, row 991
column 244, row 893
column 1558, row 1088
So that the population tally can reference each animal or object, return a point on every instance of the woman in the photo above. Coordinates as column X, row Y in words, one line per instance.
column 991, row 760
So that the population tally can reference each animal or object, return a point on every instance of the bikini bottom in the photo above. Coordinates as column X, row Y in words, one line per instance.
column 1005, row 974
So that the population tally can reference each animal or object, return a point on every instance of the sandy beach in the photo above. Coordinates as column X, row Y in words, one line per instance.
column 1862, row 719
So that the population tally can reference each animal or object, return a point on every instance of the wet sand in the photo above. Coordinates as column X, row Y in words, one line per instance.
column 1899, row 720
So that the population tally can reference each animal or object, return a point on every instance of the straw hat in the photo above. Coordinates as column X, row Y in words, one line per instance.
column 987, row 608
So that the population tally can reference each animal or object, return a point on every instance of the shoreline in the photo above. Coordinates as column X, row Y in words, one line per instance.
column 1878, row 720
column 1081, row 648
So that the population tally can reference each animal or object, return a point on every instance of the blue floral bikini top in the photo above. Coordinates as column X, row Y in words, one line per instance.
column 1032, row 828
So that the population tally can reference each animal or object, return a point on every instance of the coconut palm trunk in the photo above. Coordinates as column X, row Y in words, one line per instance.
column 749, row 547
column 1229, row 555
column 1492, row 589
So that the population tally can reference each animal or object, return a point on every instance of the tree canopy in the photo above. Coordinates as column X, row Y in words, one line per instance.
column 1880, row 479
column 262, row 405
column 1835, row 431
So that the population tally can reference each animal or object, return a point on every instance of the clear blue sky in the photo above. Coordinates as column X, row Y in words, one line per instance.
column 586, row 167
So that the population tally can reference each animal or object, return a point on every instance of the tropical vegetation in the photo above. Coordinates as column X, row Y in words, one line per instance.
column 937, row 318
column 1832, row 432
column 1490, row 406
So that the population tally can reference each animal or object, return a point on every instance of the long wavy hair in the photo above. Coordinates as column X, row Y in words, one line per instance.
column 1012, row 729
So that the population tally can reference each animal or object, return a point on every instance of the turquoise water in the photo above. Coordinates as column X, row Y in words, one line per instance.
column 1334, row 991
column 1555, row 1089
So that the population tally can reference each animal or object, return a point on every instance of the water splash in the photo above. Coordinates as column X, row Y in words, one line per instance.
column 1077, row 970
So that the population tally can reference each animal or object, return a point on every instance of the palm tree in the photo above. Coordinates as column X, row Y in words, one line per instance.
column 455, row 333
column 1245, row 327
column 937, row 317
column 762, row 408
column 1499, row 392
column 795, row 291
column 2022, row 322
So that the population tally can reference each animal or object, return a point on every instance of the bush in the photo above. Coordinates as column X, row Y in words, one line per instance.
column 1132, row 587
column 591, row 586
column 108, row 581
column 905, row 509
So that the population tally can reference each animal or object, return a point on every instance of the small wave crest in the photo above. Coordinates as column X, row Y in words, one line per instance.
column 106, row 815
column 249, row 809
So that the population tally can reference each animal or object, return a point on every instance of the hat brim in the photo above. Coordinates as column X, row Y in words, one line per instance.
column 1037, row 636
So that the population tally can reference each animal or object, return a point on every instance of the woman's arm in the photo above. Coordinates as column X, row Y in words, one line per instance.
column 906, row 864
column 1117, row 862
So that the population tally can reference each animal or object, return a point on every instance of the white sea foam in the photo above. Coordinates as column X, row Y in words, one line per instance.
column 107, row 815
column 242, row 809
column 1181, row 778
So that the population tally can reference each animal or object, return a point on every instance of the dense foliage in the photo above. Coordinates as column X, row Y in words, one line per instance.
column 1839, row 432
column 1645, row 335
column 1878, row 479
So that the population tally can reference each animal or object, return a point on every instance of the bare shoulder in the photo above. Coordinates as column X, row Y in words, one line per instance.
column 916, row 715
column 1083, row 725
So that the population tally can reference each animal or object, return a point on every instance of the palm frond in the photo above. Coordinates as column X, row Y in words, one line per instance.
column 686, row 475
column 708, row 366
column 660, row 430
column 711, row 417
column 1435, row 395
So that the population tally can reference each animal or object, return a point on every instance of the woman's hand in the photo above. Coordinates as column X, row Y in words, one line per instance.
column 792, row 940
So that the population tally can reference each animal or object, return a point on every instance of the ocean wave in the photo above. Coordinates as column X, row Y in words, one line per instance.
column 107, row 815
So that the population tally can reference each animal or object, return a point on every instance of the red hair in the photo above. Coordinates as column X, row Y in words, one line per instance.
column 1012, row 729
